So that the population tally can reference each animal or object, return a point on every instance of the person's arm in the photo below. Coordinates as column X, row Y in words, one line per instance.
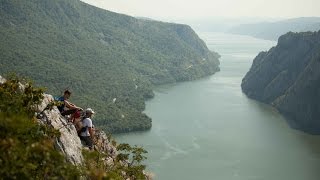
column 70, row 105
column 90, row 129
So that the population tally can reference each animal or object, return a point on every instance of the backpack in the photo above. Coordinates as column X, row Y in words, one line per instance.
column 60, row 102
column 83, row 129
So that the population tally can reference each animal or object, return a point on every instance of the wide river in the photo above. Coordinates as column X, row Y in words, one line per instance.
column 208, row 129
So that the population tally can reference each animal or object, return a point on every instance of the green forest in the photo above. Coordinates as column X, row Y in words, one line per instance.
column 109, row 61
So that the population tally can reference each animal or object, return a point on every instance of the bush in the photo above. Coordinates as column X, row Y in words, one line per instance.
column 127, row 163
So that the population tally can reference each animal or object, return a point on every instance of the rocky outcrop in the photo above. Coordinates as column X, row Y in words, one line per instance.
column 68, row 142
column 288, row 77
column 54, row 130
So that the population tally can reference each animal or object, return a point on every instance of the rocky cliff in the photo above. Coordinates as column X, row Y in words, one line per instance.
column 68, row 141
column 33, row 140
column 69, row 144
column 288, row 77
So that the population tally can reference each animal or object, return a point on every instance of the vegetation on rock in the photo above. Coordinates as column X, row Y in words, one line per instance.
column 27, row 148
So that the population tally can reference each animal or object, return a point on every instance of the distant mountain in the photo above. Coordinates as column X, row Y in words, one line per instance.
column 273, row 30
column 288, row 77
column 216, row 24
column 110, row 61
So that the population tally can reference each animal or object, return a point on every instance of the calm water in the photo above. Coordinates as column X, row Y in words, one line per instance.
column 208, row 129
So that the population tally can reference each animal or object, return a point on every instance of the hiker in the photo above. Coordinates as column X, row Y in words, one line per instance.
column 86, row 132
column 64, row 103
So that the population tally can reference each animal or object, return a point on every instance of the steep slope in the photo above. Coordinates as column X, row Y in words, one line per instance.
column 37, row 142
column 288, row 77
column 100, row 55
column 273, row 30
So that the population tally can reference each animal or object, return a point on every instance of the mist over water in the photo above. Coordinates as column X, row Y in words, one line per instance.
column 208, row 129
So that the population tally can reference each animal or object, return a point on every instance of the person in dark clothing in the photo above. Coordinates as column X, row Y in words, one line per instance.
column 66, row 104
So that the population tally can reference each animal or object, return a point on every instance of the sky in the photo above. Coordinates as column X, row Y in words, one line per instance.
column 197, row 9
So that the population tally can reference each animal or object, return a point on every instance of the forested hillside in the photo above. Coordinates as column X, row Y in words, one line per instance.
column 110, row 61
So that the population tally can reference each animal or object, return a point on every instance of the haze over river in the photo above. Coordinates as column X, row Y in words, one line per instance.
column 208, row 129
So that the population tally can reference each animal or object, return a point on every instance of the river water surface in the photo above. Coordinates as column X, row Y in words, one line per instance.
column 208, row 129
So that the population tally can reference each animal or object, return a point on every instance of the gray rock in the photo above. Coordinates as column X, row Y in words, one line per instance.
column 68, row 142
column 47, row 99
column 288, row 77
column 21, row 86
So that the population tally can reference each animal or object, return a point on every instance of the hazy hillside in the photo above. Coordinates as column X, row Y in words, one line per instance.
column 273, row 30
column 288, row 77
column 100, row 55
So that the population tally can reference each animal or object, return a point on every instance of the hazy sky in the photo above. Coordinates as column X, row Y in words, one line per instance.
column 163, row 9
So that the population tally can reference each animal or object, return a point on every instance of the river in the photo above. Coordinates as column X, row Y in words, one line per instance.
column 208, row 129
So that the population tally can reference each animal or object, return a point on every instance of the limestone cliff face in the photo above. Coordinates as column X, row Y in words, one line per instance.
column 288, row 77
column 68, row 142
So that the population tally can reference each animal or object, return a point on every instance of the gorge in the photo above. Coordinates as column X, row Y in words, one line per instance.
column 209, row 129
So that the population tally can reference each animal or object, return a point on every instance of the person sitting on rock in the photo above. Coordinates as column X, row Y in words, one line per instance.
column 86, row 132
column 64, row 103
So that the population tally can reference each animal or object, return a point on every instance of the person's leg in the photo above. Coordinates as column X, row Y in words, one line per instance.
column 87, row 140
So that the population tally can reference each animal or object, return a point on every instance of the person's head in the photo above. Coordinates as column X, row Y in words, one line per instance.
column 67, row 94
column 89, row 112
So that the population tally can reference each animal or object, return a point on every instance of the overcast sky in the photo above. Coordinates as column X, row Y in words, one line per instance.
column 194, row 9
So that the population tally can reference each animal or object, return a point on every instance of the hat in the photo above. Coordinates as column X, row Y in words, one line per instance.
column 89, row 110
